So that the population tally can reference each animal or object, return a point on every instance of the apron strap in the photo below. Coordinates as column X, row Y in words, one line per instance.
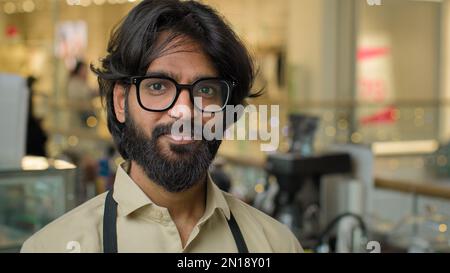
column 237, row 234
column 110, row 228
column 109, row 225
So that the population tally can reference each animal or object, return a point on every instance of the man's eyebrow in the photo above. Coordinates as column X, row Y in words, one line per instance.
column 162, row 73
column 176, row 77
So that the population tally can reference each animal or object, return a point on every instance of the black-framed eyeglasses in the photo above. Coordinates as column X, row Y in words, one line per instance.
column 159, row 93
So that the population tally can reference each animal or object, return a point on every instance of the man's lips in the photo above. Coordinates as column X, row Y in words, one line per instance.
column 180, row 139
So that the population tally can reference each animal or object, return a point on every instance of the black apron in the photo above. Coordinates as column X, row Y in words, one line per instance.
column 110, row 228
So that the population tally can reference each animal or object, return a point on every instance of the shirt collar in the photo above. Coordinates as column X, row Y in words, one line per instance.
column 215, row 199
column 127, row 193
column 130, row 197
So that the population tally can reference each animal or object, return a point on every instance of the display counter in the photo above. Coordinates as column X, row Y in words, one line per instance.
column 31, row 196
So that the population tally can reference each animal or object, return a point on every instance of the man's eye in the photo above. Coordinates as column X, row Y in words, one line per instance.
column 156, row 86
column 208, row 91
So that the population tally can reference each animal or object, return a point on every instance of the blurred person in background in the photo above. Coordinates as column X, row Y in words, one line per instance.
column 79, row 94
column 162, row 55
column 36, row 136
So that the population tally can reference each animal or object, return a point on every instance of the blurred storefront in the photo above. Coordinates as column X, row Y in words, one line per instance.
column 374, row 76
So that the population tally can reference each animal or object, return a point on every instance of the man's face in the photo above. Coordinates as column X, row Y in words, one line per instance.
column 171, row 161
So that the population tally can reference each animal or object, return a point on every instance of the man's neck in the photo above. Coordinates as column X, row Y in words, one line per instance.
column 185, row 206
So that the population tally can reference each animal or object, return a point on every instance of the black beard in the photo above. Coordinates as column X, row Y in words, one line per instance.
column 186, row 165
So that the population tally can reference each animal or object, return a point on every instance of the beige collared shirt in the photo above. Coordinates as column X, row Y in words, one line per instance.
column 143, row 226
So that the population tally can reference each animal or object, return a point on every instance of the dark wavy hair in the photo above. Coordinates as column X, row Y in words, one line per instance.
column 132, row 47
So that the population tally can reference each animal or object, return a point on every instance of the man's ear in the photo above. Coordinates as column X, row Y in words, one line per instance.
column 119, row 96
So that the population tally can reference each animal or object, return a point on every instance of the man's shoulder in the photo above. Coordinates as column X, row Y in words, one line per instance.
column 241, row 208
column 279, row 235
column 77, row 226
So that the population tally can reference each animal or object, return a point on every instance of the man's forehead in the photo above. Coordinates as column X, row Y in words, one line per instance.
column 169, row 45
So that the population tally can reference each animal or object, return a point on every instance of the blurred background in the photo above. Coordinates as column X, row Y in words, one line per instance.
column 364, row 118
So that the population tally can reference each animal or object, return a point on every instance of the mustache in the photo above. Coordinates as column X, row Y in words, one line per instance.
column 166, row 129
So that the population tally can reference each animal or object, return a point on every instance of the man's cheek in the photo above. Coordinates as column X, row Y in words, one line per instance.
column 147, row 123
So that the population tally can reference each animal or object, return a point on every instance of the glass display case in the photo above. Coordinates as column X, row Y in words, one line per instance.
column 32, row 196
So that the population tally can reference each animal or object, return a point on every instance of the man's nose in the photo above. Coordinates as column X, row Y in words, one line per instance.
column 183, row 107
column 184, row 99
